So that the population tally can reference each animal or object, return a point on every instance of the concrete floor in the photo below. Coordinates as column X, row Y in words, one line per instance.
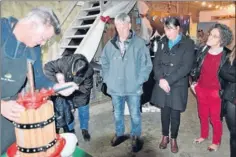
column 102, row 130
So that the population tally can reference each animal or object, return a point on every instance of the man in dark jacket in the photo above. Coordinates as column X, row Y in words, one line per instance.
column 75, row 68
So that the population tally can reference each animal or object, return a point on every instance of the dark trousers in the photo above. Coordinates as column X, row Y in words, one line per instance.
column 170, row 117
column 230, row 118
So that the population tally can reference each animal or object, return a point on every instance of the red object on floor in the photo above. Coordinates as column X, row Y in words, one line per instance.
column 11, row 151
column 209, row 106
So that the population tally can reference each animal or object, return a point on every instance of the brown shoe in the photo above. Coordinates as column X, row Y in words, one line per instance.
column 174, row 146
column 165, row 140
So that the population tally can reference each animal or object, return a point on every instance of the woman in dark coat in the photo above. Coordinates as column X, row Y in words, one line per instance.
column 228, row 75
column 172, row 64
column 207, row 84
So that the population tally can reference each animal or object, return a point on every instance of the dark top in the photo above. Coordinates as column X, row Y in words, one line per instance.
column 84, row 78
column 228, row 75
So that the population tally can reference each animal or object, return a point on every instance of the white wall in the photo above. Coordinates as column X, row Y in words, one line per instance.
column 205, row 16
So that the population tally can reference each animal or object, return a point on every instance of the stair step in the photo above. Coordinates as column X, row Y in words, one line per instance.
column 92, row 8
column 81, row 27
column 75, row 36
column 88, row 17
column 68, row 47
column 95, row 3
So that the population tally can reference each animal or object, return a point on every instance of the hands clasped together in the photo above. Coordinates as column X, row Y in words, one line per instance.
column 164, row 85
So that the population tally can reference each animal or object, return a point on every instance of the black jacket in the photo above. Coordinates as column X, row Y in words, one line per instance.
column 83, row 76
column 228, row 76
column 174, row 65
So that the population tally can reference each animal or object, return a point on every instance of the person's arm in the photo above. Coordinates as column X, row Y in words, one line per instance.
column 193, row 72
column 229, row 75
column 158, row 73
column 145, row 65
column 185, row 65
column 11, row 110
column 105, row 62
column 52, row 68
column 88, row 82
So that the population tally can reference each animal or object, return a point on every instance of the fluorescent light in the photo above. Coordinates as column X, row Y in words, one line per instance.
column 203, row 3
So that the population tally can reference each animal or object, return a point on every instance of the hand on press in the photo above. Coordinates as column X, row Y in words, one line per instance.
column 11, row 110
column 60, row 78
column 68, row 91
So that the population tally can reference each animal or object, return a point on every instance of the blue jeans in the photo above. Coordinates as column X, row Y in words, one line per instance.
column 83, row 112
column 133, row 102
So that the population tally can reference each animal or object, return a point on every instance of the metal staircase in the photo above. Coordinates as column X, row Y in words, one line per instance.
column 78, row 31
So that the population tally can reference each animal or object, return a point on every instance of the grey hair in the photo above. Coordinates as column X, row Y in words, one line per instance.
column 46, row 16
column 122, row 17
column 226, row 34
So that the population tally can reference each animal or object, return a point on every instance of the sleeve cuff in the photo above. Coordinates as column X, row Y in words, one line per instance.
column 169, row 80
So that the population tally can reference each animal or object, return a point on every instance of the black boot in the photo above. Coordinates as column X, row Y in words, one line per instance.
column 86, row 135
column 116, row 140
column 137, row 144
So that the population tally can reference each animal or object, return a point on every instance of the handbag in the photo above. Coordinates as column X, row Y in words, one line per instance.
column 104, row 89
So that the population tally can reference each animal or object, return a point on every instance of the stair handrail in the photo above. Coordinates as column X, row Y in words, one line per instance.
column 67, row 11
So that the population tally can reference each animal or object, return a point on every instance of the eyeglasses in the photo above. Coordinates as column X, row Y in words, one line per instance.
column 214, row 36
column 44, row 37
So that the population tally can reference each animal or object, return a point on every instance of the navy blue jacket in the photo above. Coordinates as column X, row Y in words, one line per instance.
column 32, row 53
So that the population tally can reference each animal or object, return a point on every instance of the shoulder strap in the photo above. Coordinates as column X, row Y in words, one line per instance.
column 33, row 56
column 12, row 24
